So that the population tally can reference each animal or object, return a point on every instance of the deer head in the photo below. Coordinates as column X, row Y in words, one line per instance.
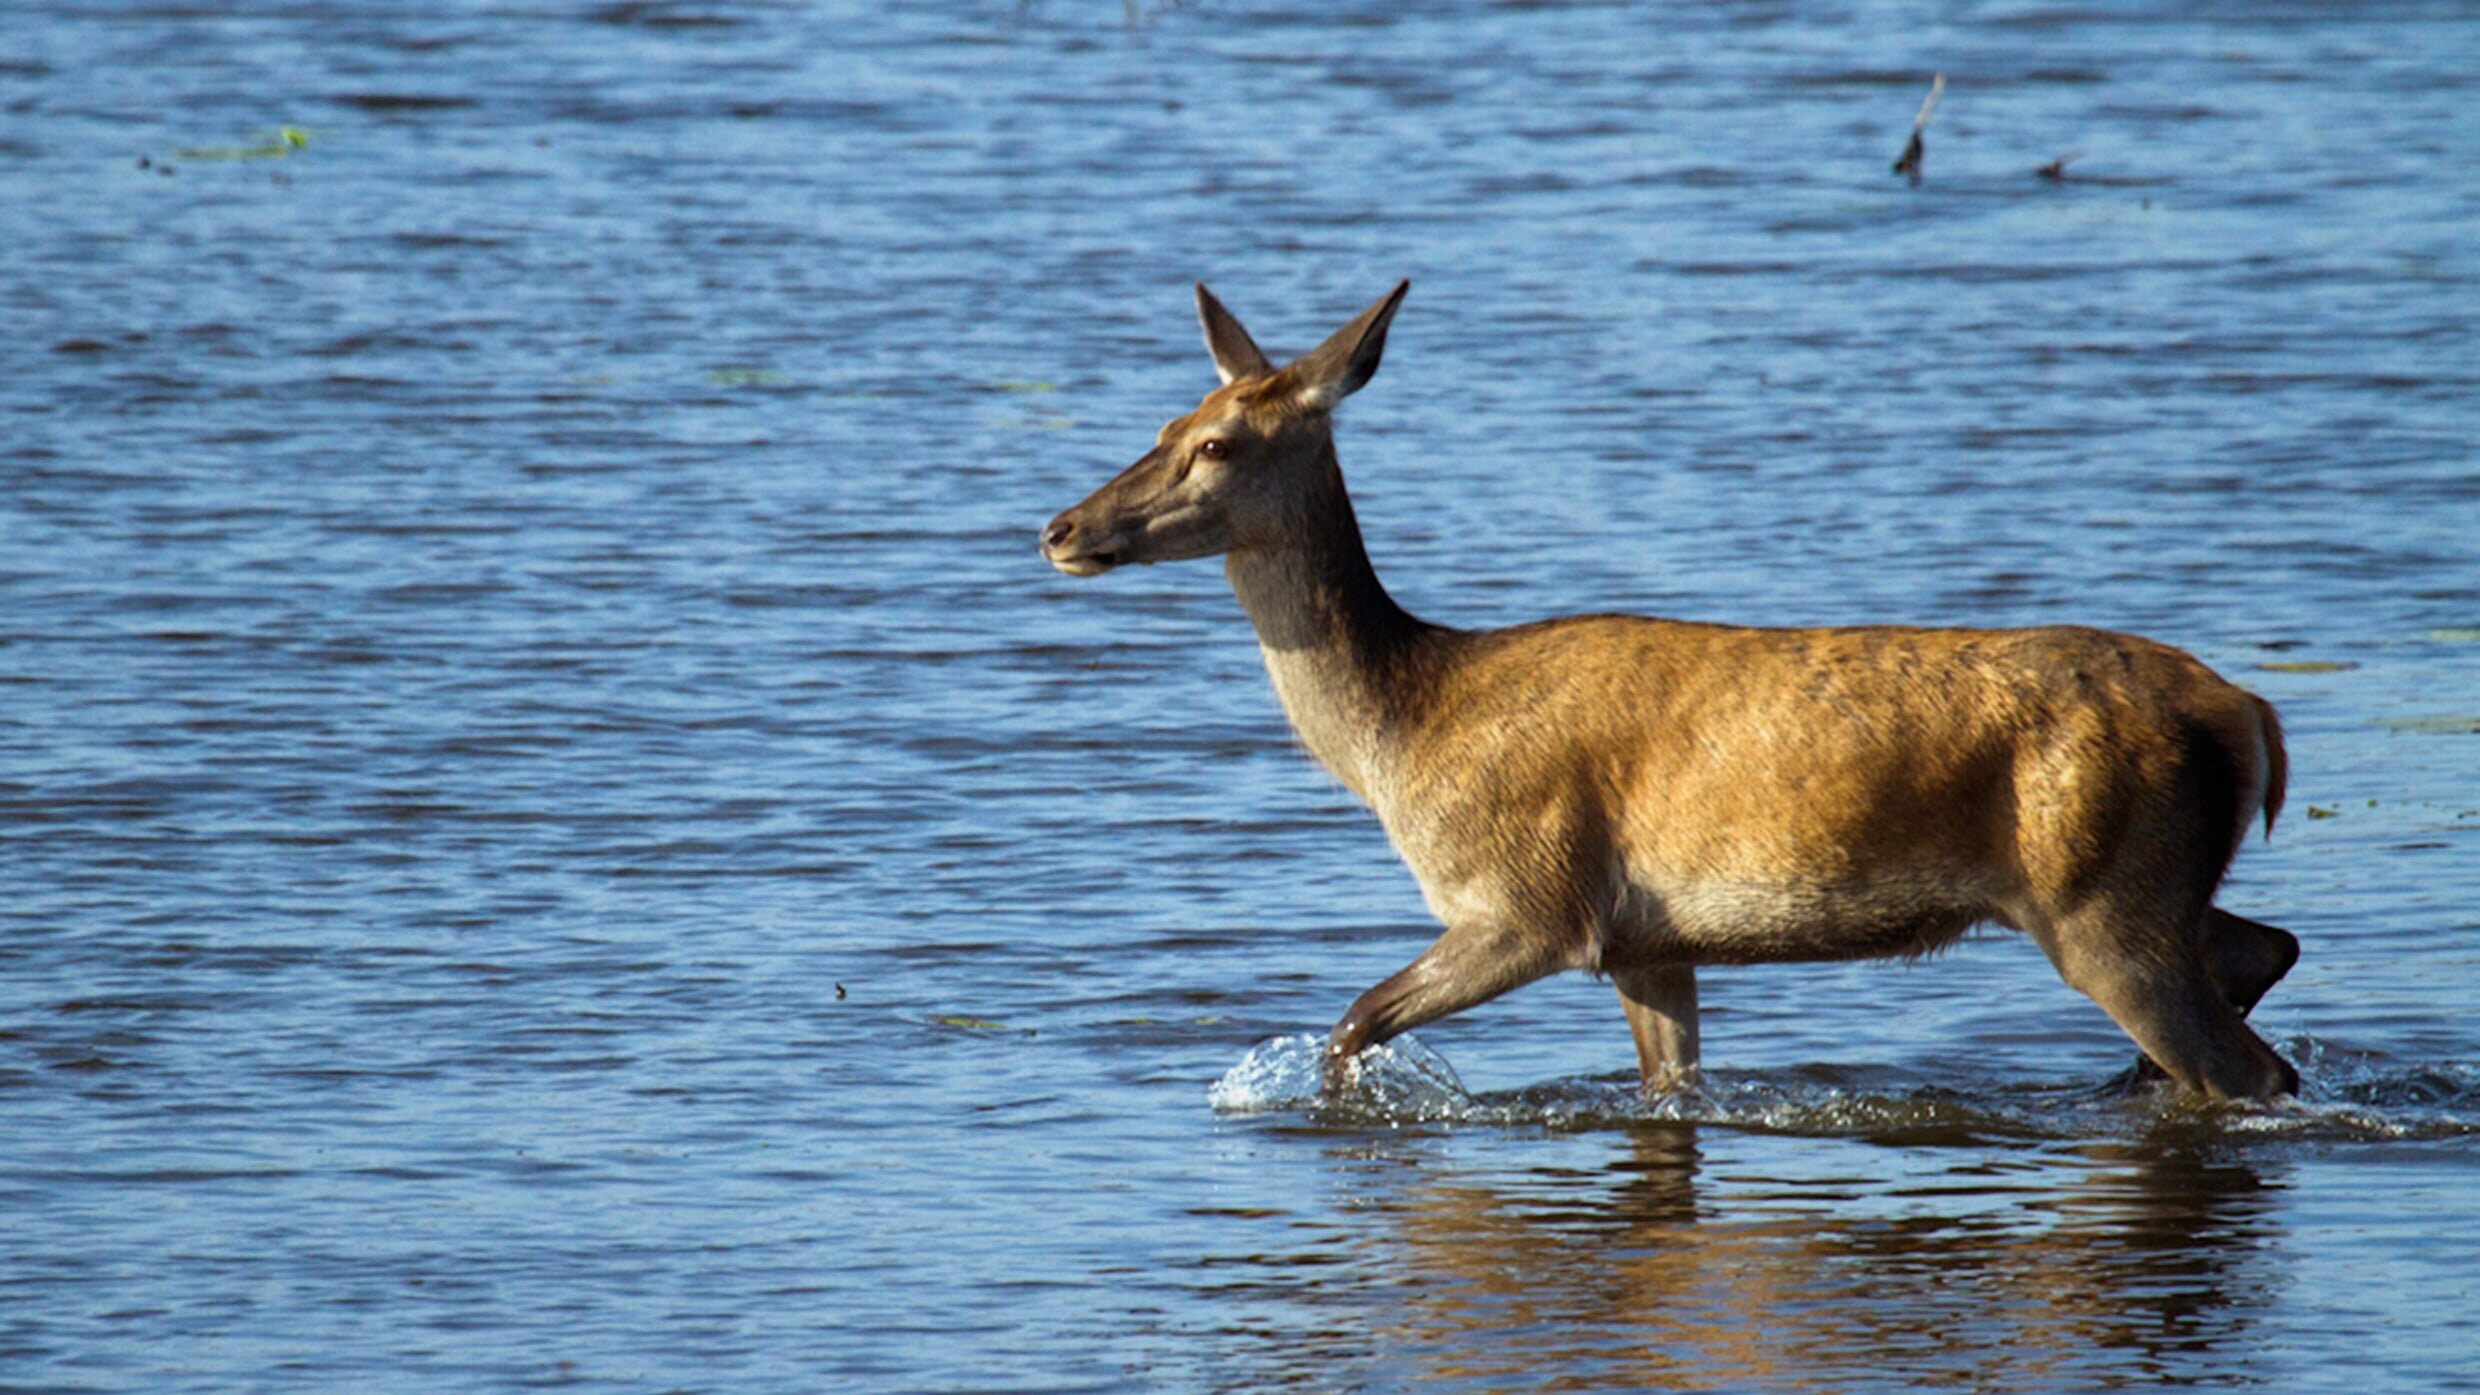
column 1248, row 468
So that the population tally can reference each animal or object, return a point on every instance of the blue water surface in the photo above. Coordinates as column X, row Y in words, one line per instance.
column 557, row 832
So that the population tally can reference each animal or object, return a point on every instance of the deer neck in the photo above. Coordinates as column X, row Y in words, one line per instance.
column 1345, row 659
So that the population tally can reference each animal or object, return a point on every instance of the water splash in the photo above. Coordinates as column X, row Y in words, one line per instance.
column 2346, row 1096
column 1400, row 1082
column 2348, row 1093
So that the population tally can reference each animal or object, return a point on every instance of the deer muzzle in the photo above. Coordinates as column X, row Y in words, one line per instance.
column 1080, row 550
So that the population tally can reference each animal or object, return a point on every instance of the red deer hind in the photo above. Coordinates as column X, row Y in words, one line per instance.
column 1638, row 797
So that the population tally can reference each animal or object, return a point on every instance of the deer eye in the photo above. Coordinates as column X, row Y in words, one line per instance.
column 1213, row 449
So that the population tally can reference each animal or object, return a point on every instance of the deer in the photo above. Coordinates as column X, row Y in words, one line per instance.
column 1640, row 797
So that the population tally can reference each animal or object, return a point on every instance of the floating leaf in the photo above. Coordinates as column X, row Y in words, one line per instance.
column 969, row 1024
column 2455, row 636
column 1025, row 385
column 747, row 377
column 2319, row 811
column 2308, row 666
column 2433, row 726
column 286, row 140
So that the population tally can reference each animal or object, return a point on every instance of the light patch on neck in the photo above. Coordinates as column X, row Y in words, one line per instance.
column 1309, row 657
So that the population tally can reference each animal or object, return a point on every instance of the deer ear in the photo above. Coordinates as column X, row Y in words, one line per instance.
column 1236, row 356
column 1339, row 367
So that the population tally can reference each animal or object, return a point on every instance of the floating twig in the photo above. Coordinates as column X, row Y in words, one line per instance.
column 285, row 141
column 1908, row 164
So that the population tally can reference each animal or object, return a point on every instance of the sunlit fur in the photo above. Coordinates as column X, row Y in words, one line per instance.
column 1639, row 796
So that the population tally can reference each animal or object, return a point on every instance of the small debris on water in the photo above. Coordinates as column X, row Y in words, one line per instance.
column 2454, row 725
column 1908, row 163
column 285, row 141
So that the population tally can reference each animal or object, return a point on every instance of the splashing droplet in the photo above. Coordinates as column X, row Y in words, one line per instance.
column 1400, row 1082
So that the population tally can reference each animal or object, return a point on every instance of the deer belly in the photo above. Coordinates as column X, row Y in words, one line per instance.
column 1713, row 921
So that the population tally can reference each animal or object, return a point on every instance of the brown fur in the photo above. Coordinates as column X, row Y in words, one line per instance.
column 1642, row 796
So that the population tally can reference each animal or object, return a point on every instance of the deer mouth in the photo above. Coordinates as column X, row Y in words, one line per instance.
column 1086, row 563
column 1083, row 551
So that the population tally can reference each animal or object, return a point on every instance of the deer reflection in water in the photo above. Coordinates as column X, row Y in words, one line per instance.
column 2072, row 1268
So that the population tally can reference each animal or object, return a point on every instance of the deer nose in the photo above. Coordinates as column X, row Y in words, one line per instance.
column 1059, row 531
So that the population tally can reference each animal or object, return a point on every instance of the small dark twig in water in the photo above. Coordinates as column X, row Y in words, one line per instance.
column 1908, row 164
column 2056, row 170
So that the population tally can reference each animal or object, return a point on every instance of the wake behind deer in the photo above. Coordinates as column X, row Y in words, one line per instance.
column 1639, row 797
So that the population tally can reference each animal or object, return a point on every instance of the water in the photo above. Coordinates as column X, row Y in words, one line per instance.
column 558, row 833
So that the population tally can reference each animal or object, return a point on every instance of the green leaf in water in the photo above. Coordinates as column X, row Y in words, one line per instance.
column 2433, row 726
column 970, row 1024
column 2454, row 636
column 1025, row 385
column 748, row 378
column 286, row 140
column 2308, row 666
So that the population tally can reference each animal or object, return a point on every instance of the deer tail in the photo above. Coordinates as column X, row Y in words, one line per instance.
column 2272, row 765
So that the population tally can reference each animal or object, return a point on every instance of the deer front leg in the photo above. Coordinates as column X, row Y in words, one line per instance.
column 1661, row 1012
column 1469, row 964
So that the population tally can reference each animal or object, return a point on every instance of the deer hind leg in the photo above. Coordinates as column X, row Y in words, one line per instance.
column 2162, row 992
column 1661, row 1013
column 2246, row 958
column 1469, row 965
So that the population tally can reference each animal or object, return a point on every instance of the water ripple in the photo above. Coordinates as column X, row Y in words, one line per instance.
column 2345, row 1097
